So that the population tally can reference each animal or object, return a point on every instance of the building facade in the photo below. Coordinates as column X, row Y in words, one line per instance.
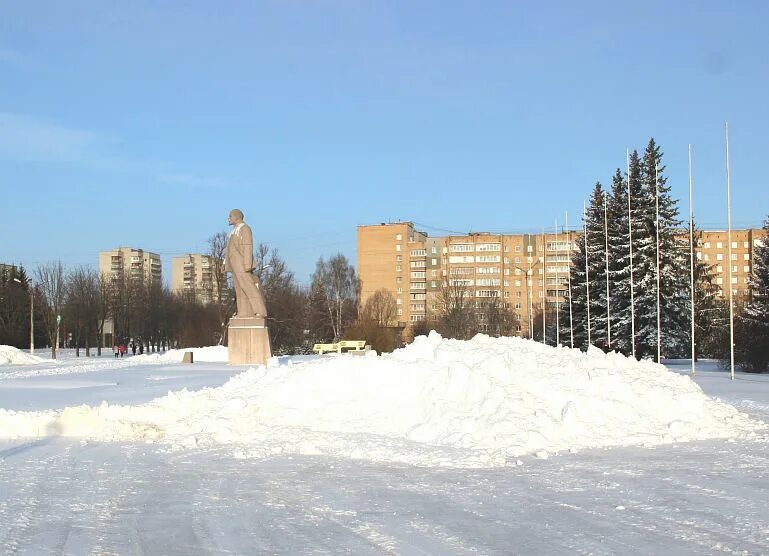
column 523, row 273
column 135, row 264
column 193, row 275
column 713, row 249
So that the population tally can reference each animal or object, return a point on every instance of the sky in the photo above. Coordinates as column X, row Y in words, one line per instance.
column 144, row 123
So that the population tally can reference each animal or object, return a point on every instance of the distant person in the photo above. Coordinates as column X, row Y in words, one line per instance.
column 115, row 350
column 122, row 350
column 133, row 348
column 141, row 348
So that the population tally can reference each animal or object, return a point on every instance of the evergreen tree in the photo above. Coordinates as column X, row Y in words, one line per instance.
column 623, row 295
column 752, row 326
column 673, row 281
column 596, row 252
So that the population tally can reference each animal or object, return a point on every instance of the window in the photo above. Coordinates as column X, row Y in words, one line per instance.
column 529, row 249
column 398, row 247
column 719, row 256
column 398, row 237
column 734, row 245
column 434, row 262
column 433, row 284
column 719, row 280
column 518, row 294
column 418, row 285
column 719, row 268
column 699, row 256
column 397, row 268
column 487, row 258
column 507, row 248
column 434, row 250
column 518, row 283
column 719, row 245
column 507, row 282
column 746, row 268
column 398, row 280
column 707, row 245
column 487, row 282
column 417, row 306
column 746, row 256
column 460, row 247
column 418, row 264
column 399, row 301
column 400, row 312
column 707, row 257
column 434, row 273
column 746, row 244
column 418, row 252
column 734, row 256
column 398, row 290
column 418, row 296
column 398, row 257
column 418, row 274
column 487, row 293
column 456, row 259
column 734, row 279
column 488, row 247
column 488, row 270
column 461, row 271
column 517, row 260
column 517, row 305
column 517, row 248
column 417, row 318
column 734, row 268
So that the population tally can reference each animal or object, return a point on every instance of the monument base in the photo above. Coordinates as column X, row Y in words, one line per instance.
column 248, row 341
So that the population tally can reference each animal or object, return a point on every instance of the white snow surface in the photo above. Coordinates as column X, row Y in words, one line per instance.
column 210, row 354
column 437, row 402
column 10, row 355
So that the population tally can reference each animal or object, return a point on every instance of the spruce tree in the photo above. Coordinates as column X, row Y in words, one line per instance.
column 673, row 282
column 752, row 327
column 623, row 297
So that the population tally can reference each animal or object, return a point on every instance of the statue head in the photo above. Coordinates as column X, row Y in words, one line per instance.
column 235, row 218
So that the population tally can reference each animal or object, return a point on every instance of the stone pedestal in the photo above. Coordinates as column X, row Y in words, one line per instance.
column 248, row 341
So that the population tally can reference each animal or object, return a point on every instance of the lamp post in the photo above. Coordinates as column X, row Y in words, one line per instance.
column 528, row 295
column 31, row 314
column 58, row 326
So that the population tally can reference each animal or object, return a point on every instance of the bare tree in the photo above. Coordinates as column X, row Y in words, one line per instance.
column 81, row 307
column 456, row 310
column 222, row 296
column 51, row 281
column 338, row 286
column 381, row 308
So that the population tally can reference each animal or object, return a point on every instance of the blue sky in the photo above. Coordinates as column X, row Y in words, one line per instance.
column 143, row 123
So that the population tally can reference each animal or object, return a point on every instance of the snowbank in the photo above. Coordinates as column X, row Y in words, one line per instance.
column 482, row 402
column 12, row 356
column 210, row 354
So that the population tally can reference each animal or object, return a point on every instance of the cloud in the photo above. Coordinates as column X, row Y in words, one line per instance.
column 28, row 139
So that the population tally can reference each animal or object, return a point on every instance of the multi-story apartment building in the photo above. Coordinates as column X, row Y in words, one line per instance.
column 137, row 264
column 192, row 274
column 6, row 270
column 713, row 249
column 522, row 272
column 519, row 272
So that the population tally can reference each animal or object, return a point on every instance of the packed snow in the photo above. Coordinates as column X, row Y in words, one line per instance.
column 10, row 355
column 479, row 403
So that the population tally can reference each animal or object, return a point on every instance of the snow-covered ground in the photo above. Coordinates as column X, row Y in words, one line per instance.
column 317, row 454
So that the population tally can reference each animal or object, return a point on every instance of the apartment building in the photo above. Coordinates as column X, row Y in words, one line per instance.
column 713, row 249
column 192, row 274
column 522, row 272
column 519, row 272
column 134, row 263
column 6, row 270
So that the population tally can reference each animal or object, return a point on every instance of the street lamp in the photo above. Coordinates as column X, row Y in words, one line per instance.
column 31, row 314
column 528, row 294
column 58, row 327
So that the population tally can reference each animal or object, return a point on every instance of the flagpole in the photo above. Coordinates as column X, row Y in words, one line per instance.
column 606, row 256
column 691, row 256
column 630, row 231
column 544, row 286
column 557, row 291
column 729, row 220
column 587, row 273
column 571, row 320
column 657, row 227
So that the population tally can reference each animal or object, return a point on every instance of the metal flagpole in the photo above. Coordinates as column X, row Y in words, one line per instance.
column 729, row 220
column 557, row 291
column 606, row 257
column 657, row 226
column 630, row 230
column 587, row 273
column 571, row 320
column 544, row 287
column 691, row 256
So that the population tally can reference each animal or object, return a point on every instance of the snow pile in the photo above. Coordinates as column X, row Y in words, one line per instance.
column 210, row 354
column 10, row 355
column 482, row 402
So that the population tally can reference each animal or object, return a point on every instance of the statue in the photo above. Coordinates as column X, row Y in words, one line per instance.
column 239, row 260
column 249, row 339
